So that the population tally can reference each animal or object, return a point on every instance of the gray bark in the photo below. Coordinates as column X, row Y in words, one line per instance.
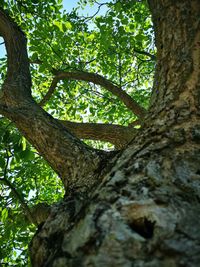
column 144, row 213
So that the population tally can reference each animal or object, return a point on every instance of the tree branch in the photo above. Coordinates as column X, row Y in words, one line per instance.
column 153, row 57
column 49, row 92
column 100, row 80
column 117, row 135
column 65, row 153
column 25, row 207
column 18, row 81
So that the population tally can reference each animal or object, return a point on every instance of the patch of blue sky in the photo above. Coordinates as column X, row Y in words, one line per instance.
column 97, row 9
column 89, row 10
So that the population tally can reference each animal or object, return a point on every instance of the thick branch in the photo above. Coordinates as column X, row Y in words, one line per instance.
column 66, row 154
column 100, row 80
column 18, row 81
column 117, row 135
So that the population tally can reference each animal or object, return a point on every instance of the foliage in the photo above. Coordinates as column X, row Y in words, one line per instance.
column 22, row 168
column 110, row 43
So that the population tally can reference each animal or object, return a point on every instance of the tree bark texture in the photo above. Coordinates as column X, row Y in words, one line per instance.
column 144, row 209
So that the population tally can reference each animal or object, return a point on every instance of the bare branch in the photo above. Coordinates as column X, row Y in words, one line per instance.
column 117, row 135
column 86, row 19
column 100, row 80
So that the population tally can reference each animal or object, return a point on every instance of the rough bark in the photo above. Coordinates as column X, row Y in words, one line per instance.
column 145, row 210
column 145, row 213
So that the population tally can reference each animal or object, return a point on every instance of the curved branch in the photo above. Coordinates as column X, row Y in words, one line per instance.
column 117, row 135
column 25, row 207
column 100, row 80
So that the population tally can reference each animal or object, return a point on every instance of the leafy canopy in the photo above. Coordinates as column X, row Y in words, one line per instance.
column 116, row 43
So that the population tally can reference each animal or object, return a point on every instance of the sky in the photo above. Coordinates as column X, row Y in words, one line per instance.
column 69, row 4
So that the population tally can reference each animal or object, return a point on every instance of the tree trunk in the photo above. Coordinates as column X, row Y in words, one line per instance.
column 146, row 209
column 141, row 207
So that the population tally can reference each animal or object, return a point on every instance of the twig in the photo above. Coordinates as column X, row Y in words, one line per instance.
column 49, row 92
column 86, row 19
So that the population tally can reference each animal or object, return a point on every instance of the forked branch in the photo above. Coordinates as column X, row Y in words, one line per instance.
column 65, row 153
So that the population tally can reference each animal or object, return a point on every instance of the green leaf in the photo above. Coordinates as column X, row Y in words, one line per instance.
column 90, row 37
column 23, row 142
column 4, row 215
column 6, row 136
column 27, row 155
column 59, row 25
column 68, row 25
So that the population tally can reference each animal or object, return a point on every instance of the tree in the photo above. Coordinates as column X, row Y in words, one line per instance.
column 134, row 206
